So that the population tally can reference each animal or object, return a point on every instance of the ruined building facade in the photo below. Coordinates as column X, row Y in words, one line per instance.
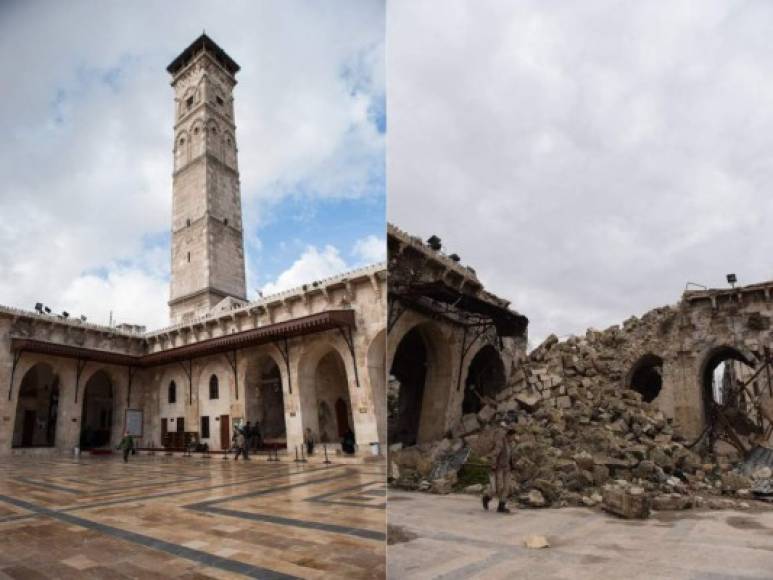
column 672, row 356
column 450, row 341
column 308, row 358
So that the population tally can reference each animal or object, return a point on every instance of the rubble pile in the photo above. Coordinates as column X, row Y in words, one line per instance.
column 579, row 440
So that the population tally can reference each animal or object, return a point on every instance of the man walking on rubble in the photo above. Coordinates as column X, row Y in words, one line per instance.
column 499, row 477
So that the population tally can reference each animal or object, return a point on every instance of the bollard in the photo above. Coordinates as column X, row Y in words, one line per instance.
column 296, row 455
column 303, row 454
column 327, row 461
column 276, row 452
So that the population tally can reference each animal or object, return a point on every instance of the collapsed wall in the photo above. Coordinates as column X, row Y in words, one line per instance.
column 607, row 409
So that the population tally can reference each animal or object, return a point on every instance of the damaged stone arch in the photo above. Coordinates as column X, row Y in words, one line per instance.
column 717, row 373
column 646, row 377
column 485, row 377
column 420, row 377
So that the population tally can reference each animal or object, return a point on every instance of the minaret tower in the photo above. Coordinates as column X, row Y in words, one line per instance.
column 207, row 240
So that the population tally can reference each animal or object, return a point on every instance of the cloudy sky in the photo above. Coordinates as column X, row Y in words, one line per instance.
column 588, row 159
column 85, row 165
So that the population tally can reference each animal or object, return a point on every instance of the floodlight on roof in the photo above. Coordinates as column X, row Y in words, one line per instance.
column 732, row 279
column 434, row 242
column 39, row 307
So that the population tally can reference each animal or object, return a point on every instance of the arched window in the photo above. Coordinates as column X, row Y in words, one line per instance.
column 214, row 387
column 172, row 392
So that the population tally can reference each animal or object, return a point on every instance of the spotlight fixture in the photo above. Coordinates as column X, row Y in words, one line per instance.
column 83, row 318
column 47, row 309
column 39, row 307
column 65, row 314
column 732, row 279
column 455, row 257
column 434, row 243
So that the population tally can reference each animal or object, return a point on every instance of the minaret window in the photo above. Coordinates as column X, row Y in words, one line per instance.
column 225, row 221
column 188, row 222
column 220, row 101
column 189, row 257
column 189, row 102
column 214, row 387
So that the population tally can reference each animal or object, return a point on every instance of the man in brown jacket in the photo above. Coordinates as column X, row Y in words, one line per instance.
column 499, row 478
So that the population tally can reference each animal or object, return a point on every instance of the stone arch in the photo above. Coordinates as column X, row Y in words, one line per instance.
column 712, row 389
column 646, row 377
column 97, row 410
column 182, row 149
column 214, row 409
column 229, row 149
column 197, row 138
column 264, row 396
column 485, row 376
column 420, row 376
column 37, row 407
column 377, row 379
column 324, row 379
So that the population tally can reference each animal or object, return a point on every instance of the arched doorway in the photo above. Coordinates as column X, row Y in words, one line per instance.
column 485, row 378
column 331, row 386
column 406, row 388
column 377, row 377
column 97, row 416
column 265, row 400
column 646, row 377
column 37, row 408
column 323, row 381
column 724, row 371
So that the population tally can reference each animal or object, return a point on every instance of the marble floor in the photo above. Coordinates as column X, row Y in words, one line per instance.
column 190, row 518
column 586, row 544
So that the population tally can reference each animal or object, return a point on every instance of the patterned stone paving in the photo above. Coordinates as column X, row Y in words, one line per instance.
column 190, row 518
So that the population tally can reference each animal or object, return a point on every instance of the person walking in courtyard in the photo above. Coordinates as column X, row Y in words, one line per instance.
column 499, row 477
column 241, row 444
column 127, row 444
column 249, row 435
column 308, row 440
column 347, row 443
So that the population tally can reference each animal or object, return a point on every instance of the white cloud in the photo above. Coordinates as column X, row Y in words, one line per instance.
column 312, row 265
column 87, row 122
column 130, row 294
column 587, row 159
column 370, row 249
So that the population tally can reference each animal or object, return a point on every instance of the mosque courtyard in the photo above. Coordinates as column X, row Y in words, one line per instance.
column 190, row 517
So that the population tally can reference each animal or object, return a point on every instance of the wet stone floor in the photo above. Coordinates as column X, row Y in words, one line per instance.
column 177, row 517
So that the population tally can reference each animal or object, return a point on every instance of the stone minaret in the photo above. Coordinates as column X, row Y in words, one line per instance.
column 207, row 241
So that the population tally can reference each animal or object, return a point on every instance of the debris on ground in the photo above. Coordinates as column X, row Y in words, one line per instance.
column 580, row 439
column 537, row 542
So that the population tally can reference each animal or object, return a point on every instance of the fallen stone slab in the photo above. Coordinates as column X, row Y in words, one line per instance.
column 537, row 542
column 628, row 503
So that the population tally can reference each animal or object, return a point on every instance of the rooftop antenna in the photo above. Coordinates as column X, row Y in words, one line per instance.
column 110, row 324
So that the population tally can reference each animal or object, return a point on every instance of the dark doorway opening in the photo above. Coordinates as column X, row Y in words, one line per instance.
column 406, row 389
column 647, row 377
column 486, row 377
